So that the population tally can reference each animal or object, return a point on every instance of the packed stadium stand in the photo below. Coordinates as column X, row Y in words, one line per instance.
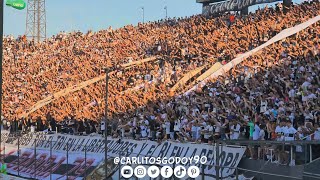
column 33, row 72
column 59, row 85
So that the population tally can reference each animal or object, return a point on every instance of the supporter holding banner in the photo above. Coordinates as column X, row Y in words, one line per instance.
column 232, row 5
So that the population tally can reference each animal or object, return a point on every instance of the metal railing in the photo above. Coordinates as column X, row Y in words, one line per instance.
column 36, row 162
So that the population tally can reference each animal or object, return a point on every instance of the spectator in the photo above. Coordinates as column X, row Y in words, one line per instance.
column 235, row 130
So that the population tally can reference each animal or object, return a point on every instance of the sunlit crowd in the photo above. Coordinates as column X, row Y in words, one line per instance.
column 272, row 95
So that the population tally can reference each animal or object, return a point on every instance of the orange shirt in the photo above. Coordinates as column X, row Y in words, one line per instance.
column 232, row 18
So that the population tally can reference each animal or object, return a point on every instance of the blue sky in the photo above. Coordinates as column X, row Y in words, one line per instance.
column 69, row 15
column 83, row 15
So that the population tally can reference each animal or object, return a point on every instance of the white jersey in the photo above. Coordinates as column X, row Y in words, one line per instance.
column 167, row 127
column 144, row 131
column 208, row 128
column 194, row 127
column 102, row 127
column 256, row 132
column 279, row 131
column 317, row 134
column 263, row 106
column 289, row 133
column 235, row 131
column 262, row 134
column 177, row 125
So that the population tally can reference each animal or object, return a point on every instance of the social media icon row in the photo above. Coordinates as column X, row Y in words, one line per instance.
column 154, row 171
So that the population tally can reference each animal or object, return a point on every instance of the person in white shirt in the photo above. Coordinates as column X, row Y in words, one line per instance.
column 164, row 116
column 308, row 116
column 235, row 130
column 102, row 127
column 291, row 117
column 208, row 131
column 195, row 111
column 292, row 93
column 217, row 128
column 255, row 137
column 279, row 132
column 284, row 129
column 256, row 132
column 312, row 96
column 290, row 133
column 167, row 128
column 194, row 128
column 263, row 106
column 176, row 128
column 144, row 133
column 317, row 132
column 32, row 128
column 262, row 135
column 305, row 84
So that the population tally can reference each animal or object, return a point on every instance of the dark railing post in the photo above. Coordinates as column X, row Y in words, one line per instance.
column 67, row 160
column 160, row 176
column 51, row 163
column 305, row 153
column 18, row 155
column 310, row 154
column 217, row 160
column 291, row 154
column 4, row 151
column 35, row 158
column 202, row 177
column 85, row 161
column 237, row 174
column 118, row 171
column 174, row 165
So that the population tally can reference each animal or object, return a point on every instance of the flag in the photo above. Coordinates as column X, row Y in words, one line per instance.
column 17, row 4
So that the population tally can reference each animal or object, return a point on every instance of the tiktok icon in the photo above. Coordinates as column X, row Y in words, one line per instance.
column 180, row 171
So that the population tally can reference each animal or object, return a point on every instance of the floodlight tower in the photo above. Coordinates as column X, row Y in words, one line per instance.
column 36, row 20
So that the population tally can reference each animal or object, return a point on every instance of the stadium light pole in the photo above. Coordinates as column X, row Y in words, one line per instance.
column 106, row 122
column 1, row 57
column 166, row 9
column 142, row 14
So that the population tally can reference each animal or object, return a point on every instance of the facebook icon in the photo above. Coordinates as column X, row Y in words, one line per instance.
column 166, row 171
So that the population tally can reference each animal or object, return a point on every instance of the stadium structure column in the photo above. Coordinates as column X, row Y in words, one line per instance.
column 245, row 11
column 204, row 5
column 1, row 57
column 286, row 5
column 106, row 123
column 36, row 20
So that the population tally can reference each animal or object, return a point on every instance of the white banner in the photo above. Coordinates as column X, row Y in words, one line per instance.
column 282, row 35
column 231, row 5
column 87, row 152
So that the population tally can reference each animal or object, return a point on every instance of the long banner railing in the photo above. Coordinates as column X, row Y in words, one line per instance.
column 38, row 156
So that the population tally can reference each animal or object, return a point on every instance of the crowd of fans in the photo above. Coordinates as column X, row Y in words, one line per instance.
column 34, row 71
column 272, row 95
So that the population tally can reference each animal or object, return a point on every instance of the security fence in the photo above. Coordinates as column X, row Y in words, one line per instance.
column 48, row 159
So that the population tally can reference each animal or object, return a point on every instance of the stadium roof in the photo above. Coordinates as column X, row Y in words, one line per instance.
column 209, row 1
